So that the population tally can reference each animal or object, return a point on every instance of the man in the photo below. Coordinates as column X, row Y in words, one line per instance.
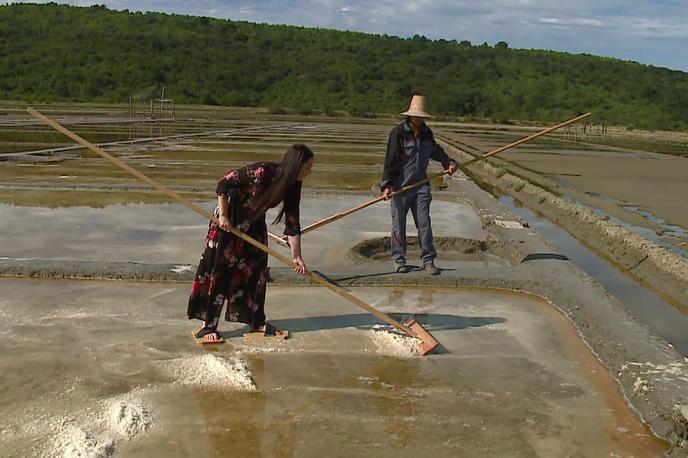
column 410, row 147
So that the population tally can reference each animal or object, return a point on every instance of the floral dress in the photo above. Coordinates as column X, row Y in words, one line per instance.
column 231, row 270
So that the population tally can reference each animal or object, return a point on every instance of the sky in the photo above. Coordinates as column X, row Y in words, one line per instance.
column 653, row 32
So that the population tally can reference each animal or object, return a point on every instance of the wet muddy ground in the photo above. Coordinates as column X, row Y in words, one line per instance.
column 104, row 369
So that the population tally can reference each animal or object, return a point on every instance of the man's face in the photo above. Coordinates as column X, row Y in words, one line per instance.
column 416, row 122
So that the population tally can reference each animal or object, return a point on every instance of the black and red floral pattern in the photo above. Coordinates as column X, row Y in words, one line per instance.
column 231, row 270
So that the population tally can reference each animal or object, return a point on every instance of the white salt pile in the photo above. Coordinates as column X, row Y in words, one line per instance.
column 367, row 380
column 181, row 269
column 390, row 341
column 96, row 434
column 211, row 371
column 259, row 350
column 128, row 416
column 92, row 432
column 74, row 442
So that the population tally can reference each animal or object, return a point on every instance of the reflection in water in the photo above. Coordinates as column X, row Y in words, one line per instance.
column 421, row 300
column 391, row 378
column 262, row 424
column 279, row 423
column 427, row 299
column 232, row 422
column 395, row 297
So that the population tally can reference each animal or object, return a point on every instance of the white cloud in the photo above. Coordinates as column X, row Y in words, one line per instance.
column 571, row 22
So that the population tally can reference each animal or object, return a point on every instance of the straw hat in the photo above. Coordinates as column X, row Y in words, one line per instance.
column 417, row 108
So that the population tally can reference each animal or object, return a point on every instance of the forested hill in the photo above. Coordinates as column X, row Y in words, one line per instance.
column 54, row 52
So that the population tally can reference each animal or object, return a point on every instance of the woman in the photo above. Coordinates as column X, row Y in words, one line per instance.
column 233, row 270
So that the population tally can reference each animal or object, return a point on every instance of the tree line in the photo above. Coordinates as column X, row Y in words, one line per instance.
column 56, row 52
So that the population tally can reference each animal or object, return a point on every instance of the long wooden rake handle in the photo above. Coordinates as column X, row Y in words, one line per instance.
column 340, row 215
column 201, row 211
column 283, row 240
column 525, row 139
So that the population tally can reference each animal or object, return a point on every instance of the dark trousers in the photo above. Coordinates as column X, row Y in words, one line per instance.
column 418, row 201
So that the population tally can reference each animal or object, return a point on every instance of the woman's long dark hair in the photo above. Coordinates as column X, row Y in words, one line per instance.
column 287, row 175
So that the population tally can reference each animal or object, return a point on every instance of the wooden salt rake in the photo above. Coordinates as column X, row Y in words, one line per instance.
column 340, row 215
column 410, row 327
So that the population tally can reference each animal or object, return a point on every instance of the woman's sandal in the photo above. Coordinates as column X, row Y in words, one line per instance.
column 207, row 336
column 270, row 332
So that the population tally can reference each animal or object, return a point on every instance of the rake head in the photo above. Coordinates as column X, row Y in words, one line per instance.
column 427, row 342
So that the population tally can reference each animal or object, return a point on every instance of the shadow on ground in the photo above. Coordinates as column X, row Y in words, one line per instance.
column 431, row 321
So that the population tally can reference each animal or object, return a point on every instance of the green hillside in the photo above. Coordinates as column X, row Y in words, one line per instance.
column 54, row 52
